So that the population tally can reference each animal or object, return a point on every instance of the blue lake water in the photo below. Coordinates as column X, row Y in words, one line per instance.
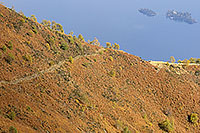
column 152, row 38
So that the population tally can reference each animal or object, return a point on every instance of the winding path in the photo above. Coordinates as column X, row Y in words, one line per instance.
column 50, row 69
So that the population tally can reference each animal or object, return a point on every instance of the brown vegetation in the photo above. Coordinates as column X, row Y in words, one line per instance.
column 58, row 83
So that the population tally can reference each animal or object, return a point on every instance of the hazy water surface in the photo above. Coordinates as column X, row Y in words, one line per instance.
column 152, row 38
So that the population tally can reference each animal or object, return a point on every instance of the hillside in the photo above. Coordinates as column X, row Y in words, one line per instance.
column 50, row 82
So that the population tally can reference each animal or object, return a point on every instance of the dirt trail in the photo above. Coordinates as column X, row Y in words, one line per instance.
column 162, row 63
column 52, row 68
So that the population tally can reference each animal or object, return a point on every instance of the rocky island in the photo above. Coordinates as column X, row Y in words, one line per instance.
column 180, row 16
column 147, row 12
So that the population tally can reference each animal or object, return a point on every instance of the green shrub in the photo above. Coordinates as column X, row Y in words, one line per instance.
column 95, row 60
column 64, row 46
column 193, row 118
column 12, row 129
column 12, row 115
column 126, row 130
column 28, row 108
column 1, row 15
column 166, row 125
column 10, row 58
column 86, row 64
column 71, row 59
column 4, row 48
column 34, row 30
column 10, row 45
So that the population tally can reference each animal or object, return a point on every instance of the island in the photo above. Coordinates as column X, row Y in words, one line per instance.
column 147, row 12
column 180, row 16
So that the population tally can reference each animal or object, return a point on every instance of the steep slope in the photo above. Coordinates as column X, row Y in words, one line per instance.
column 97, row 90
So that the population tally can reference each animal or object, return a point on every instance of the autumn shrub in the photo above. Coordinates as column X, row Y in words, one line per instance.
column 71, row 60
column 28, row 58
column 197, row 61
column 193, row 118
column 21, row 13
column 30, row 33
column 96, row 42
column 46, row 23
column 116, row 46
column 110, row 58
column 112, row 73
column 80, row 46
column 179, row 61
column 192, row 60
column 51, row 63
column 71, row 33
column 75, row 38
column 57, row 27
column 51, row 41
column 33, row 18
column 22, row 21
column 166, row 125
column 47, row 46
column 28, row 42
column 108, row 45
column 197, row 73
column 172, row 59
column 101, row 52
